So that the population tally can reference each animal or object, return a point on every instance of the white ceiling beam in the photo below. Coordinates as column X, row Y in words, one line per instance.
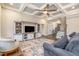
column 9, row 8
column 22, row 7
column 31, row 6
column 64, row 11
column 69, row 5
column 40, row 9
column 27, row 13
column 35, row 12
column 42, row 6
column 28, row 5
column 59, row 9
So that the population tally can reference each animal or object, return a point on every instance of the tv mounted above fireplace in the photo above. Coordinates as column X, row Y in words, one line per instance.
column 29, row 29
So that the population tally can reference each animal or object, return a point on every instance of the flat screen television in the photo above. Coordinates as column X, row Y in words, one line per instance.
column 29, row 28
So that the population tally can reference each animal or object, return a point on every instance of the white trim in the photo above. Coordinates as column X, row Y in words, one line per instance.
column 22, row 7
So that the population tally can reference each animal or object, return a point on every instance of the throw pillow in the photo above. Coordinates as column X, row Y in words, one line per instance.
column 61, row 43
column 72, row 34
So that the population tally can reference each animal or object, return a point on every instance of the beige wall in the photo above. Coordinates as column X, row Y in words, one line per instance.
column 72, row 25
column 0, row 21
column 8, row 18
column 43, row 26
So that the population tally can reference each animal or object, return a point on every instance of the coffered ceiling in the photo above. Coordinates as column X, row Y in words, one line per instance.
column 30, row 8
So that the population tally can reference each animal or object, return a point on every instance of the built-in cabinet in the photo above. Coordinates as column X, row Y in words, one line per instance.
column 19, row 33
column 18, row 37
column 18, row 27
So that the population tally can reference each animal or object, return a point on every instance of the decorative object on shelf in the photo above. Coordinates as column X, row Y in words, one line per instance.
column 18, row 27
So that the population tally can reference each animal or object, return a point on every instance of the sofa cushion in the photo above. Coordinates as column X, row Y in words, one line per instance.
column 73, row 46
column 50, row 50
column 61, row 43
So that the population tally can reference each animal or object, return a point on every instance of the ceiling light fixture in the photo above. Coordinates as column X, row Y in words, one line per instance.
column 48, row 9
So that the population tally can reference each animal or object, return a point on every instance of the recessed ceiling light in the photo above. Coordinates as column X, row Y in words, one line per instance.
column 11, row 3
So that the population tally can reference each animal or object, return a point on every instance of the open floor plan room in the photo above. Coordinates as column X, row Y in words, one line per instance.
column 39, row 29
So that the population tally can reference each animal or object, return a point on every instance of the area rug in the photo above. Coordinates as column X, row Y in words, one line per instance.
column 34, row 47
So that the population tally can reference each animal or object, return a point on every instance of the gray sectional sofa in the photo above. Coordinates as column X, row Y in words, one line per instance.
column 63, row 47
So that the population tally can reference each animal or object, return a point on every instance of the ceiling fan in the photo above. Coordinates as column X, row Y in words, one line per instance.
column 47, row 9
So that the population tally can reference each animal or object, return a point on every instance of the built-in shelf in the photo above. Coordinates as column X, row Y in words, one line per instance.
column 18, row 27
column 21, row 35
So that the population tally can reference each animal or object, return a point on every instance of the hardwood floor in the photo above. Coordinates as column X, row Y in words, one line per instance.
column 52, row 37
